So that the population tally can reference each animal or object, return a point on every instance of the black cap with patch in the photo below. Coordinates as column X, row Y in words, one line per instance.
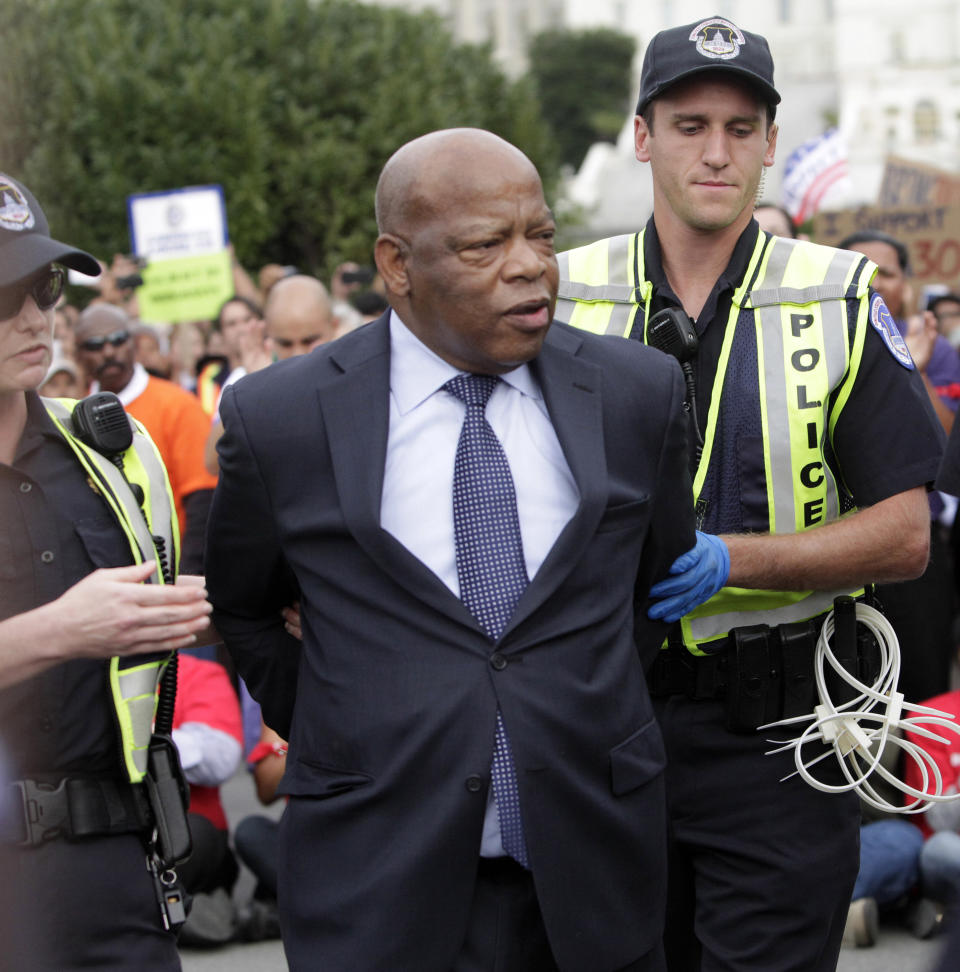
column 714, row 44
column 25, row 242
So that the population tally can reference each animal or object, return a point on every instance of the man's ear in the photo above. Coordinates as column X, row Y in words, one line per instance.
column 768, row 155
column 390, row 254
column 641, row 139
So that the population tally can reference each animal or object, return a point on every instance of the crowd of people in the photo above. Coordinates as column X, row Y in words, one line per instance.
column 515, row 729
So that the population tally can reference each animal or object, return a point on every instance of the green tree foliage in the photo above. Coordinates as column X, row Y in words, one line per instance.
column 584, row 80
column 292, row 105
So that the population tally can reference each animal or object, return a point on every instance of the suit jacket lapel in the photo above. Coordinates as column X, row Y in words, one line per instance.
column 356, row 415
column 571, row 390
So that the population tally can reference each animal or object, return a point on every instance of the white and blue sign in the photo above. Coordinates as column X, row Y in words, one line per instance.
column 178, row 223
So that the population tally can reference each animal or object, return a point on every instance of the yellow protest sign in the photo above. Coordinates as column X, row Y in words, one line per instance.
column 186, row 288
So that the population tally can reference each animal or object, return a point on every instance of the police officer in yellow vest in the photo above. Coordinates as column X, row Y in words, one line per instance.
column 814, row 444
column 87, row 624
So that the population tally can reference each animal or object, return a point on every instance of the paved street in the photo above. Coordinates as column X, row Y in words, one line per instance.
column 897, row 950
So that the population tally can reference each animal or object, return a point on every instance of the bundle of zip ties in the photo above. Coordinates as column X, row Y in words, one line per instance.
column 858, row 731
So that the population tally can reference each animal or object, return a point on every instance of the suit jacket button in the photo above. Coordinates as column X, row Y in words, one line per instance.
column 474, row 784
column 498, row 661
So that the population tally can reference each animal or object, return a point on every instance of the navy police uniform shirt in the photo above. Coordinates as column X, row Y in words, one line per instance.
column 55, row 529
column 887, row 438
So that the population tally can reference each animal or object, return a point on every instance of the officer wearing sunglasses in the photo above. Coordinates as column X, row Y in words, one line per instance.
column 70, row 598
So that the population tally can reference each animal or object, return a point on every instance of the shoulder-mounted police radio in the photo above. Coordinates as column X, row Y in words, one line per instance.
column 672, row 332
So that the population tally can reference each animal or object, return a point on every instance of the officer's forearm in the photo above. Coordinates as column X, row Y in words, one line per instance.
column 886, row 542
column 109, row 612
column 28, row 645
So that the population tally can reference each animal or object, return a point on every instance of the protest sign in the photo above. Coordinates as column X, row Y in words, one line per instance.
column 909, row 183
column 182, row 233
column 930, row 232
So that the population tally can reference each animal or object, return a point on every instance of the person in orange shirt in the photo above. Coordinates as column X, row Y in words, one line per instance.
column 174, row 418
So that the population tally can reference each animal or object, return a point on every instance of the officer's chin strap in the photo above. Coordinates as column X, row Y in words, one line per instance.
column 859, row 730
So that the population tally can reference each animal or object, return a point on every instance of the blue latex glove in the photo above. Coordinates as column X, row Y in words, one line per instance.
column 694, row 578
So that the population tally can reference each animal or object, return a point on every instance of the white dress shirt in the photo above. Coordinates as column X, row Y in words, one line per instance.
column 417, row 502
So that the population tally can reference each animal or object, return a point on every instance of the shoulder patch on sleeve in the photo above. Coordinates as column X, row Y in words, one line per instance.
column 884, row 324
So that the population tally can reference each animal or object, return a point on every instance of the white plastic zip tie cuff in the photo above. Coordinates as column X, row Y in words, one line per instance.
column 859, row 731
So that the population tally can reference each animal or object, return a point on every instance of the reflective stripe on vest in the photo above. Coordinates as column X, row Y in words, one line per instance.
column 597, row 291
column 133, row 681
column 804, row 357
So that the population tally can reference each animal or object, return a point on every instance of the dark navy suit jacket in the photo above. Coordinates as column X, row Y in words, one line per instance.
column 391, row 700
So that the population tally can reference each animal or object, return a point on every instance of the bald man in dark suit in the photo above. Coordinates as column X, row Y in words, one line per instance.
column 405, row 845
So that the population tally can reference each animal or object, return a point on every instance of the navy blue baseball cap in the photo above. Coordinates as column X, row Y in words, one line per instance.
column 714, row 44
column 25, row 242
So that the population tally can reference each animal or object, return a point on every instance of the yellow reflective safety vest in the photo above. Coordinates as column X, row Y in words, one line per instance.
column 789, row 322
column 133, row 681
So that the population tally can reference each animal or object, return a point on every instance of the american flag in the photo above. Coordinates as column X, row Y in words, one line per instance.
column 811, row 170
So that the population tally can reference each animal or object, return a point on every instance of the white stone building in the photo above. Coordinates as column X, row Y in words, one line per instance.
column 886, row 73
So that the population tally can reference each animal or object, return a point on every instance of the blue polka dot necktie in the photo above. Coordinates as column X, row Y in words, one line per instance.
column 490, row 564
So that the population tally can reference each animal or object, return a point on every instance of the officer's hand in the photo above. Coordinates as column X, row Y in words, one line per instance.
column 694, row 578
column 111, row 612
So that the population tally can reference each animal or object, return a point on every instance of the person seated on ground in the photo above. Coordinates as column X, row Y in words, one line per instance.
column 887, row 882
column 208, row 734
column 257, row 838
column 940, row 825
column 910, row 865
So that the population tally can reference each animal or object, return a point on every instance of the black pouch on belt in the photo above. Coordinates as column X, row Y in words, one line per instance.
column 798, row 645
column 751, row 683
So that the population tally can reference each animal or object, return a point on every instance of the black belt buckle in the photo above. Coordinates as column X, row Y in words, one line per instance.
column 45, row 811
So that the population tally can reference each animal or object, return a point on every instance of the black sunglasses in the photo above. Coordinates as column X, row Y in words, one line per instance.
column 45, row 290
column 115, row 339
